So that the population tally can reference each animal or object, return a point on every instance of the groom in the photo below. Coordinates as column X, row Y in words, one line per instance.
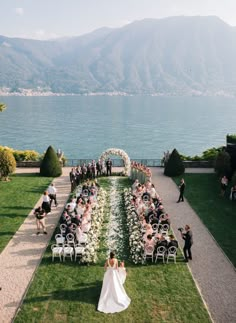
column 109, row 166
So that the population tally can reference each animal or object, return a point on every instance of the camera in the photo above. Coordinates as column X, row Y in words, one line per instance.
column 181, row 229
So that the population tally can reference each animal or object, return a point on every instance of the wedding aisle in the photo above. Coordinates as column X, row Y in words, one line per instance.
column 69, row 291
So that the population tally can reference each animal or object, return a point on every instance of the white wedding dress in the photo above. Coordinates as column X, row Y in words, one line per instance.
column 113, row 297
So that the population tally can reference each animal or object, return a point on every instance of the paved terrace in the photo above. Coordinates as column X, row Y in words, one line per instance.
column 212, row 271
column 21, row 257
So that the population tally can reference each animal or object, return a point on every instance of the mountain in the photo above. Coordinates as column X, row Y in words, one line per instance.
column 175, row 55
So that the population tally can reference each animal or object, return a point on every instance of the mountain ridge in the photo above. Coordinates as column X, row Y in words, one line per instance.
column 174, row 55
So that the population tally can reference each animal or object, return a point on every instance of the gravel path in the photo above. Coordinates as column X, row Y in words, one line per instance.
column 21, row 257
column 213, row 273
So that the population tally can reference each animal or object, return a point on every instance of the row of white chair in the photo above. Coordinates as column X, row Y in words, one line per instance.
column 161, row 252
column 70, row 239
column 66, row 251
column 162, row 228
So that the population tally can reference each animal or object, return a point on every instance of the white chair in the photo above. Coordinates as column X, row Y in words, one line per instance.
column 164, row 229
column 160, row 253
column 70, row 239
column 148, row 253
column 79, row 250
column 85, row 193
column 60, row 240
column 68, row 251
column 155, row 228
column 171, row 253
column 57, row 251
column 83, row 239
column 63, row 228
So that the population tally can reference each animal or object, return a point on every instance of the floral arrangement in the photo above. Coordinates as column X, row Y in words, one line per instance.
column 90, row 251
column 140, row 172
column 122, row 154
column 135, row 229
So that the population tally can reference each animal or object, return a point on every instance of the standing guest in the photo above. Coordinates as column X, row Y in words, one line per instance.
column 224, row 184
column 89, row 171
column 78, row 175
column 40, row 219
column 188, row 242
column 73, row 179
column 84, row 172
column 99, row 167
column 52, row 193
column 181, row 191
column 109, row 166
column 93, row 167
column 46, row 202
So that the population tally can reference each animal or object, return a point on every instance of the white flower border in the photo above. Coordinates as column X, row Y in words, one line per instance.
column 122, row 154
column 135, row 229
column 90, row 250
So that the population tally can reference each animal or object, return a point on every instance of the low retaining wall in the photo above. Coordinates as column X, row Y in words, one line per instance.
column 198, row 164
column 30, row 164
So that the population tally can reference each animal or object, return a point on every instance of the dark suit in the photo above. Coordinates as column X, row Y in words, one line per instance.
column 109, row 166
column 181, row 192
column 188, row 238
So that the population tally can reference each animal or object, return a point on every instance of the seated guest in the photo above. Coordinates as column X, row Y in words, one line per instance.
column 165, row 219
column 173, row 242
column 160, row 211
column 78, row 233
column 153, row 194
column 150, row 242
column 162, row 242
column 77, row 219
column 71, row 205
column 149, row 231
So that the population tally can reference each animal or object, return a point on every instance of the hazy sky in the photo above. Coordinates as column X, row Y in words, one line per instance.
column 44, row 19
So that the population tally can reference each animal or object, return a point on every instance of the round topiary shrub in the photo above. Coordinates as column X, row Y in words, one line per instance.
column 7, row 163
column 174, row 165
column 50, row 166
column 223, row 164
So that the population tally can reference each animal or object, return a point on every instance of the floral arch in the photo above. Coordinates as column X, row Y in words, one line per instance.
column 122, row 154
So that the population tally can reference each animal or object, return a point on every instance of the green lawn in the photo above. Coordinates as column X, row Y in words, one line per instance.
column 17, row 198
column 217, row 213
column 69, row 292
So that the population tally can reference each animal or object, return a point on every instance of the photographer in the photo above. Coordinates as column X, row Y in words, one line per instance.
column 188, row 238
column 40, row 219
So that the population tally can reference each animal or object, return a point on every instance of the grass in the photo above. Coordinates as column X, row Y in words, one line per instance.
column 69, row 292
column 17, row 198
column 216, row 212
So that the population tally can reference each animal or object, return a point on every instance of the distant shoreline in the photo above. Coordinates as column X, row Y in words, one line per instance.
column 32, row 93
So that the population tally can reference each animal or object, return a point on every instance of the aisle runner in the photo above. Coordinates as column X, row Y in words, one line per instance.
column 115, row 235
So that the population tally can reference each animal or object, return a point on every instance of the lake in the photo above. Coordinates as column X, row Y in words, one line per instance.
column 144, row 126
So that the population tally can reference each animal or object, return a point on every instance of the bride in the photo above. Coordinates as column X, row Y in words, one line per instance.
column 113, row 297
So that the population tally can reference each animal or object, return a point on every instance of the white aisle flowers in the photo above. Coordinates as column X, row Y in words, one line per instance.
column 135, row 229
column 122, row 154
column 90, row 251
column 115, row 236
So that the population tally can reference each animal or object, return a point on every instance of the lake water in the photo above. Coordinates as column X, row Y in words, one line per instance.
column 83, row 127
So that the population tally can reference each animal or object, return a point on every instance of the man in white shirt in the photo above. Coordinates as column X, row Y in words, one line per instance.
column 52, row 192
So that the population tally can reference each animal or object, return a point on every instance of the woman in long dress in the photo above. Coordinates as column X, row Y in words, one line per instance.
column 113, row 297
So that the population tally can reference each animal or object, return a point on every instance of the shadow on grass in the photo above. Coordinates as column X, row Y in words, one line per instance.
column 84, row 293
